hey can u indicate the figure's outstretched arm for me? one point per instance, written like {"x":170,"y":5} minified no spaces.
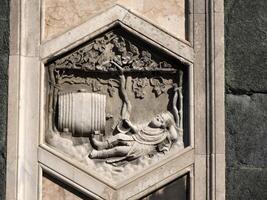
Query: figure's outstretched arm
{"x":132,"y":126}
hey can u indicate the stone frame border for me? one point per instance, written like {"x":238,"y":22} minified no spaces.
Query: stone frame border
{"x":205,"y":31}
{"x":114,"y":16}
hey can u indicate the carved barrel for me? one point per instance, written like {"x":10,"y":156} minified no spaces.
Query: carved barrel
{"x":81,"y":113}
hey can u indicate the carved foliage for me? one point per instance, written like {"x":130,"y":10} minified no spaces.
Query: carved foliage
{"x":112,"y":48}
{"x":159,"y":85}
{"x":93,"y":84}
{"x":138,"y":87}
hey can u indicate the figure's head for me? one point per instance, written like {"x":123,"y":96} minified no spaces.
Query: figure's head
{"x":162,"y":120}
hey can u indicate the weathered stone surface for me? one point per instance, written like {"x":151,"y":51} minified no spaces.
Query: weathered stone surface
{"x":4,"y":49}
{"x":246,"y":105}
{"x":246,"y":130}
{"x":62,"y":15}
{"x":246,"y":45}
{"x":4,"y":9}
{"x":4,"y":34}
{"x":246,"y":184}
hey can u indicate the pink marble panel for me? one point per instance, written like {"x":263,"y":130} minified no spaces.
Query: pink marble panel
{"x":61,"y":15}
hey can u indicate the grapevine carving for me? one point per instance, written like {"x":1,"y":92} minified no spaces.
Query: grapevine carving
{"x":103,"y":52}
{"x":159,"y":85}
{"x":138,"y":87}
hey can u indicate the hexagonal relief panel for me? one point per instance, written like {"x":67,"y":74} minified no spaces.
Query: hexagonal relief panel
{"x":118,"y":104}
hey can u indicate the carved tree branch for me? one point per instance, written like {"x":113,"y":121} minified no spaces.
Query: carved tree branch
{"x":174,"y":106}
{"x":126,"y":105}
{"x":181,"y":99}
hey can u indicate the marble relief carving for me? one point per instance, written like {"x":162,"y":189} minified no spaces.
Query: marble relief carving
{"x":114,"y":102}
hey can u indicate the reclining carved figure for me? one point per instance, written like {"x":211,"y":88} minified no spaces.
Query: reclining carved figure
{"x":159,"y":135}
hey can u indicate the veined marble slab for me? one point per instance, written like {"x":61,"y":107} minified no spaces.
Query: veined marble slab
{"x":61,"y":15}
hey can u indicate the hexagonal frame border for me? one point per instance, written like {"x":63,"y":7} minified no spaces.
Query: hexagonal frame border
{"x":205,"y":31}
{"x":113,"y":17}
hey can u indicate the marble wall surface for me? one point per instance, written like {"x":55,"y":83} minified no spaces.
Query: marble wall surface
{"x":61,"y":15}
{"x":172,"y":191}
{"x":56,"y":190}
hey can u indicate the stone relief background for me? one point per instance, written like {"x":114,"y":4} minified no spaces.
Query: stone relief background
{"x":61,"y":15}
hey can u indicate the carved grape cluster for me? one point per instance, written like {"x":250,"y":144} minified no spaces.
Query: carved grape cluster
{"x":138,"y":87}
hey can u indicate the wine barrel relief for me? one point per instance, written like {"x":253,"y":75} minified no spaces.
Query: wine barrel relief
{"x":81,"y":113}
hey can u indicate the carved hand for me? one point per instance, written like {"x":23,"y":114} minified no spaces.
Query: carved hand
{"x":127,"y":121}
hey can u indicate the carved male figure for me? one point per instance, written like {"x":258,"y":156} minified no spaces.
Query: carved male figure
{"x":160,"y":134}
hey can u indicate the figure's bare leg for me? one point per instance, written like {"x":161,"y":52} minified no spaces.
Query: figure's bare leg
{"x":109,"y":153}
{"x":95,"y":141}
{"x":99,"y":144}
{"x":119,"y":139}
